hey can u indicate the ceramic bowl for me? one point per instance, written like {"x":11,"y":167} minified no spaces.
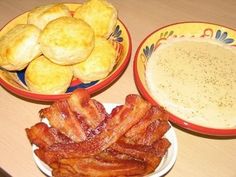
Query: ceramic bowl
{"x":15,"y":82}
{"x":178,"y":30}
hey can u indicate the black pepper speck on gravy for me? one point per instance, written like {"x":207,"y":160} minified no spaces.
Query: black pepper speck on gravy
{"x":195,"y":79}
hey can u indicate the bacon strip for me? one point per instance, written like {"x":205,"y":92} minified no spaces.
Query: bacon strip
{"x":60,"y":116}
{"x":137,"y":133}
{"x":97,"y":167}
{"x":127,"y":116}
{"x":162,"y":146}
{"x":112,"y":155}
{"x":43,"y":136}
{"x":152,"y":155}
{"x":93,"y":111}
{"x":154,"y":132}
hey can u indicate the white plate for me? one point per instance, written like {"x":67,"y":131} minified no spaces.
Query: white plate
{"x":165,"y":165}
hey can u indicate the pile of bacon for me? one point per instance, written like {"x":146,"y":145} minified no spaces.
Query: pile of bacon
{"x":84,"y":140}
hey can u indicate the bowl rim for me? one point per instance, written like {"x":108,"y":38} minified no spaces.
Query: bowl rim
{"x":92,"y":90}
{"x":175,"y":119}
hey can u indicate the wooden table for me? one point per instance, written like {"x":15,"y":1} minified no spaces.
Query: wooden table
{"x":197,"y":155}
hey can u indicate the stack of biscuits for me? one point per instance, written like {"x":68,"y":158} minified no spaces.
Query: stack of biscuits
{"x":55,"y":46}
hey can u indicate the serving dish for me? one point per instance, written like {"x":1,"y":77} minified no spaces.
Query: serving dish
{"x":14,"y":81}
{"x":165,"y":165}
{"x":178,"y":30}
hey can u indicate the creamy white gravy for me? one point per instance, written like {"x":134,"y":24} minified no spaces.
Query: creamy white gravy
{"x":195,"y":79}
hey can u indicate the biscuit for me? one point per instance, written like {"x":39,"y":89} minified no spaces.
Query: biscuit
{"x":99,"y":64}
{"x":67,"y":40}
{"x":46,"y":77}
{"x":19,"y":46}
{"x":100,"y":15}
{"x":40,"y":16}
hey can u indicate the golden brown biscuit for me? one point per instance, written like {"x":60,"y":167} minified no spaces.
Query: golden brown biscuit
{"x":99,"y":64}
{"x":67,"y":40}
{"x":44,"y":76}
{"x":19,"y":46}
{"x":100,"y":15}
{"x":40,"y":16}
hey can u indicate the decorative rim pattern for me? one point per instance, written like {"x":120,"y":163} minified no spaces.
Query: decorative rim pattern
{"x":146,"y":51}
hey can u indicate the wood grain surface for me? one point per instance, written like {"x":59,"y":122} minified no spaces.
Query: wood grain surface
{"x":198,"y":156}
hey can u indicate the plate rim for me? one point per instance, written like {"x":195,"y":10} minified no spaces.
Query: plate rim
{"x":172,"y":137}
{"x":175,"y":119}
{"x":92,"y":90}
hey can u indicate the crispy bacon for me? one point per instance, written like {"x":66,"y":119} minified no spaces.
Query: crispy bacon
{"x":84,"y":140}
{"x":61,"y":117}
{"x":43,"y":136}
{"x":161,"y":146}
{"x":154,"y":132}
{"x":107,"y":163}
{"x":127,"y":116}
{"x":152,"y":155}
{"x":92,"y":110}
{"x":111,"y":155}
{"x":91,"y":167}
{"x":77,"y":116}
{"x":139,"y":132}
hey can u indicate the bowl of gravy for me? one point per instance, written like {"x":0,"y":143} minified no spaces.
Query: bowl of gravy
{"x":189,"y":69}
